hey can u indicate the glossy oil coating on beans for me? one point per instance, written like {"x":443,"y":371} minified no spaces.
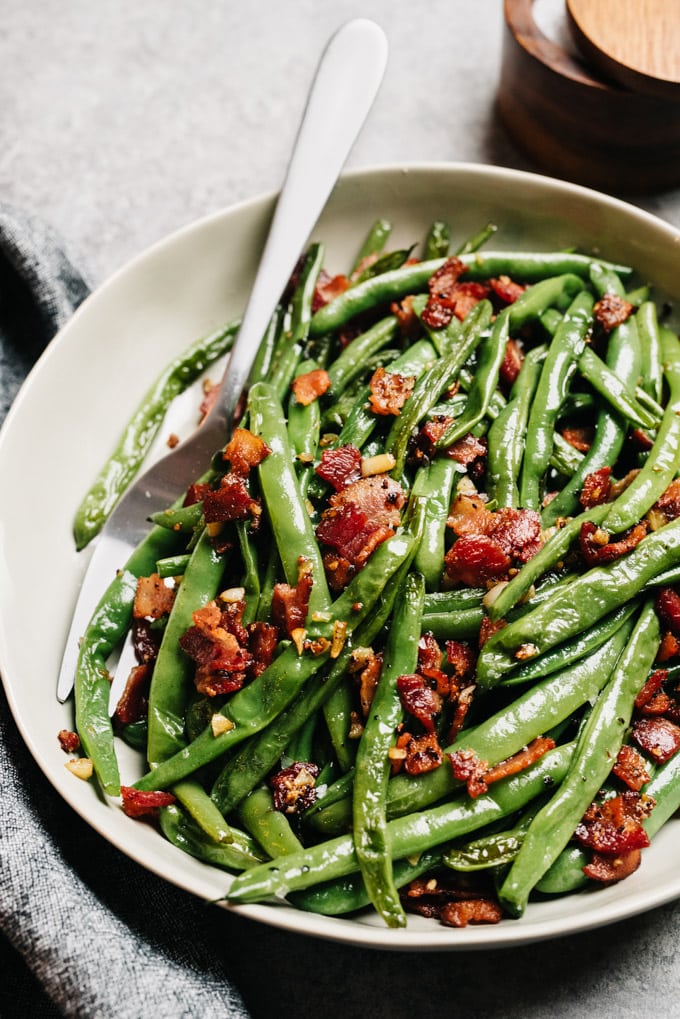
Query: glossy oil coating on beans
{"x":427,"y":621}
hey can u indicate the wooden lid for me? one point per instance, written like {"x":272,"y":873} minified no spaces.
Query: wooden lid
{"x":634,"y":42}
{"x":577,"y":123}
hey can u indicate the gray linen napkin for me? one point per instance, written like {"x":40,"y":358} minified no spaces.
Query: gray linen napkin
{"x":88,"y":932}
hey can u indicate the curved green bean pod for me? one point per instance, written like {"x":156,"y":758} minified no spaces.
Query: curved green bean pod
{"x":612,"y":389}
{"x":289,"y":348}
{"x":556,"y":293}
{"x":269,"y":827}
{"x":372,"y":766}
{"x":650,"y":342}
{"x":240,"y":854}
{"x":351,"y":362}
{"x":374,"y":242}
{"x":141,"y":430}
{"x":435,"y":488}
{"x":598,"y":745}
{"x":437,"y":241}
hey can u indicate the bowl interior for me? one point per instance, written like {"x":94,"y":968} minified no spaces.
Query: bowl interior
{"x":67,"y":418}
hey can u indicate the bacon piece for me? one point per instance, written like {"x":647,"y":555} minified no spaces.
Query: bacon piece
{"x":469,"y":515}
{"x":340,"y":467}
{"x":423,"y":754}
{"x":611,"y":311}
{"x":430,"y":662}
{"x":474,"y":559}
{"x":630,"y":768}
{"x":463,"y":702}
{"x":462,"y":658}
{"x":68,"y":741}
{"x":440,"y":307}
{"x":488,"y":628}
{"x":231,"y":501}
{"x":466,"y":296}
{"x":153,"y":598}
{"x":424,"y":443}
{"x":658,"y":737}
{"x":596,"y":488}
{"x":506,"y":289}
{"x":380,"y":497}
{"x":138,"y":803}
{"x":216,"y":642}
{"x":669,"y":647}
{"x":389,"y":391}
{"x":134,"y":701}
{"x":651,"y":688}
{"x":294,"y":787}
{"x":467,"y":767}
{"x":328,"y":288}
{"x":419,"y":699}
{"x":520,"y":761}
{"x":409,"y":323}
{"x":580,"y":437}
{"x":467,"y":450}
{"x":145,"y":640}
{"x":348,"y":530}
{"x":368,"y":681}
{"x":614,"y":826}
{"x":475,"y":911}
{"x":290,"y":605}
{"x":610,"y":869}
{"x":518,"y":532}
{"x":512,"y":361}
{"x":597,"y":548}
{"x":244,"y":451}
{"x":668,"y":609}
{"x":669,"y":502}
{"x":262,"y":640}
{"x":310,"y":386}
{"x":195,"y":493}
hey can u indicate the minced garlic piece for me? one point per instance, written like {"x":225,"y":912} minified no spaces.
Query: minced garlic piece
{"x":219,"y":724}
{"x":81,"y":767}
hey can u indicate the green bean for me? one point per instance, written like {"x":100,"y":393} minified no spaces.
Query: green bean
{"x":304,"y":421}
{"x":372,"y":769}
{"x":251,"y":578}
{"x":388,"y":262}
{"x":477,"y":240}
{"x":287,"y":353}
{"x":598,"y":745}
{"x":291,"y":525}
{"x":565,"y":874}
{"x":663,"y":461}
{"x":507,"y":433}
{"x":650,"y":341}
{"x":565,"y":458}
{"x":435,"y":487}
{"x":268,"y":826}
{"x":170,"y":681}
{"x":350,"y":362}
{"x":414,"y":278}
{"x":180,"y":519}
{"x":374,"y":242}
{"x":265,"y":352}
{"x":201,"y":808}
{"x":588,"y":598}
{"x":172,"y":566}
{"x":558,"y":368}
{"x":605,"y":281}
{"x":184,"y":834}
{"x":409,"y":835}
{"x":555,"y":292}
{"x":611,"y":388}
{"x":437,"y":242}
{"x":623,"y":358}
{"x":491,"y":354}
{"x":492,"y":850}
{"x":142,"y":428}
{"x":462,"y":624}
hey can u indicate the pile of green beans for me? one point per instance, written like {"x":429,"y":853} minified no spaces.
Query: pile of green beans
{"x":558,"y":649}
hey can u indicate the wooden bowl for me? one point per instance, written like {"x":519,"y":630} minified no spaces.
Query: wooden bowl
{"x":576,"y":124}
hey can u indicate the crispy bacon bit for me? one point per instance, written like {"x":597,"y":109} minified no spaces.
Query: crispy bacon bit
{"x":138,"y":803}
{"x":580,"y":437}
{"x":466,"y":296}
{"x":596,"y":488}
{"x":153,"y":598}
{"x":512,"y":361}
{"x":340,"y":467}
{"x":597,"y":548}
{"x":488,"y":628}
{"x":630,"y":768}
{"x":68,"y":741}
{"x":389,"y":391}
{"x":669,"y":647}
{"x":467,"y":450}
{"x":419,"y":699}
{"x":327,"y":289}
{"x":244,"y":451}
{"x":172,"y":440}
{"x":294,"y":787}
{"x":474,"y":559}
{"x":518,"y":532}
{"x":669,"y":502}
{"x":429,"y":653}
{"x":195,"y":493}
{"x":658,"y":737}
{"x":134,"y":701}
{"x":423,"y":754}
{"x":668,"y":609}
{"x":614,"y":826}
{"x":290,"y":605}
{"x":231,"y":501}
{"x":520,"y":761}
{"x":360,"y":517}
{"x":463,"y":702}
{"x":611,"y":311}
{"x":506,"y":289}
{"x":217,"y":642}
{"x":441,"y":303}
{"x":651,"y":688}
{"x":469,"y":515}
{"x":262,"y":641}
{"x":425,"y":441}
{"x":468,"y":768}
{"x":381,"y":499}
{"x":310,"y":386}
{"x":610,"y":869}
{"x":475,"y":911}
{"x":409,"y":324}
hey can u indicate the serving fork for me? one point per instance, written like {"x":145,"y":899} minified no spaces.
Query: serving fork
{"x":346,"y":83}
